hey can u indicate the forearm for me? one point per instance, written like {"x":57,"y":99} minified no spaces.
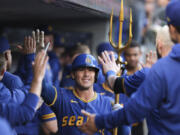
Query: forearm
{"x":36,"y":87}
{"x":51,"y":126}
{"x":18,"y":114}
{"x":29,"y":58}
{"x":110,"y":120}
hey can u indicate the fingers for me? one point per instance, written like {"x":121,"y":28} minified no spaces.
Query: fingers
{"x":34,"y":44}
{"x":37,"y":36}
{"x":85,"y":113}
{"x":154,"y":56}
{"x":112,"y":57}
{"x":29,"y":43}
{"x":42,"y":39}
{"x":31,"y":46}
{"x":106,"y":57}
{"x":101,"y":60}
{"x":33,"y":35}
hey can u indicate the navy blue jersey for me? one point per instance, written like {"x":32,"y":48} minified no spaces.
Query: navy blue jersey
{"x":67,"y":106}
{"x":43,"y":114}
{"x":18,"y":114}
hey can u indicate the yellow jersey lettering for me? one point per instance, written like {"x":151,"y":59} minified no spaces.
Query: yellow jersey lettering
{"x":80,"y":120}
{"x":72,"y":119}
{"x":64,"y":121}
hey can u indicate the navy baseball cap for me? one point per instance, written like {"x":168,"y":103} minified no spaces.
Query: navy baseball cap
{"x":104,"y":47}
{"x":48,"y":29}
{"x":59,"y":40}
{"x":4,"y":44}
{"x":173,"y":12}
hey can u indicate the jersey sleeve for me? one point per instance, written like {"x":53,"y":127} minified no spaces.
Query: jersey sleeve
{"x":46,"y":113}
{"x":18,"y":114}
{"x":148,"y":96}
{"x":130,"y":84}
{"x":49,"y":94}
{"x":12,"y":81}
{"x":28,"y":68}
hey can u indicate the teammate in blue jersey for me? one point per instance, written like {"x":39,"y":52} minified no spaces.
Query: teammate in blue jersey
{"x":67,"y":104}
{"x":8,"y":91}
{"x":160,"y":90}
{"x":10,"y":80}
{"x":32,"y":127}
{"x":16,"y":113}
{"x":43,"y":117}
{"x":132,"y":56}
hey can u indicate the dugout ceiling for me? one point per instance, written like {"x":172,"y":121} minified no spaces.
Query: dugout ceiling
{"x":55,"y":10}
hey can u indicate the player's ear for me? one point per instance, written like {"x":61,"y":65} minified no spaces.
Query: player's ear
{"x":72,"y":75}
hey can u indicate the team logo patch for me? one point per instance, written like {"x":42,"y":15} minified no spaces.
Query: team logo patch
{"x":88,"y":60}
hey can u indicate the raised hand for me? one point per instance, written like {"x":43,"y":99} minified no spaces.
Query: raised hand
{"x":39,"y":38}
{"x":151,"y":58}
{"x":29,"y":46}
{"x":109,"y":63}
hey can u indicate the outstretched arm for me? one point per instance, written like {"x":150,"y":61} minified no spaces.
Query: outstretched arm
{"x":16,"y":113}
{"x":124,"y":84}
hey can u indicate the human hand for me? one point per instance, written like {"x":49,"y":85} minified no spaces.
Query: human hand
{"x":151,"y":58}
{"x":39,"y":38}
{"x":89,"y":126}
{"x":29,"y":46}
{"x":109,"y":64}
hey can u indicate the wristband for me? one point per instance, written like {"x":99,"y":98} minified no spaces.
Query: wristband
{"x":110,"y":73}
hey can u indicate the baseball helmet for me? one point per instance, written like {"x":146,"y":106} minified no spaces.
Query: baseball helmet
{"x":85,"y":60}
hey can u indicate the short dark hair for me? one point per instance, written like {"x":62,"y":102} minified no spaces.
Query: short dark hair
{"x":2,"y":61}
{"x":78,"y":48}
{"x":134,"y":44}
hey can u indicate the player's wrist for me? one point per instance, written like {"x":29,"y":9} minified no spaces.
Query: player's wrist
{"x":110,"y":73}
{"x":37,"y":79}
